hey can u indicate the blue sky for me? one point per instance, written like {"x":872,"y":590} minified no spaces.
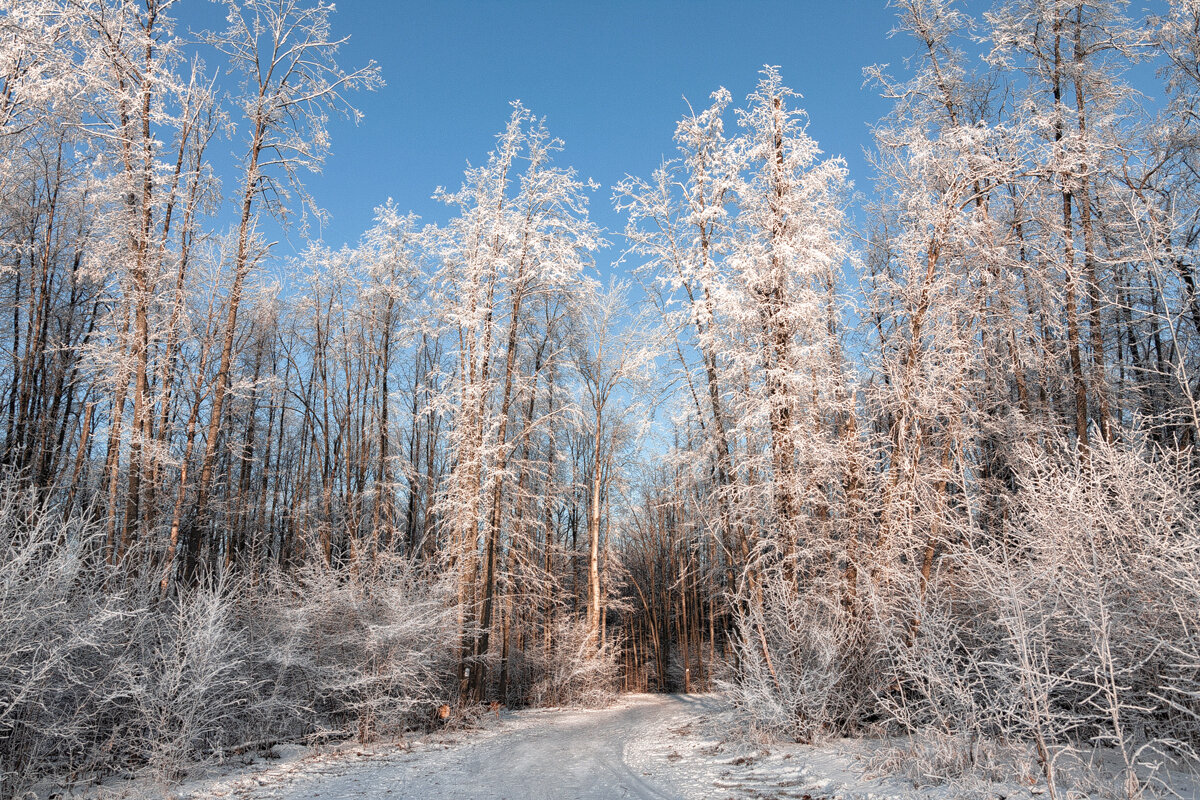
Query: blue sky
{"x":609,"y":77}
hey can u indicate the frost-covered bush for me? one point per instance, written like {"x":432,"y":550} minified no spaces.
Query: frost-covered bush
{"x":372,"y":646}
{"x":187,"y":678}
{"x":63,"y":617}
{"x":939,"y":684}
{"x":576,"y":672}
{"x":793,"y":650}
{"x":1068,"y":630}
{"x":1074,"y":629}
{"x":102,"y":673}
{"x":1095,"y":592}
{"x":97,"y":672}
{"x":932,"y":679}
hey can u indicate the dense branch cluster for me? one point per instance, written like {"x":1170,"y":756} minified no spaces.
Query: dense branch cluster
{"x":923,"y":463}
{"x":950,"y":470}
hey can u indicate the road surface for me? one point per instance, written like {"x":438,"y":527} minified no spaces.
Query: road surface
{"x":614,"y":752}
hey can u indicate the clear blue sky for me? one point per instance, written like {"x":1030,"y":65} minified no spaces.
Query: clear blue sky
{"x":609,"y":77}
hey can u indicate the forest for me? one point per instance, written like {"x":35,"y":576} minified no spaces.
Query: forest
{"x":915,"y":455}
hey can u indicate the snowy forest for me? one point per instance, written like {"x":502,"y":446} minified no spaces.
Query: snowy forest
{"x":903,"y":453}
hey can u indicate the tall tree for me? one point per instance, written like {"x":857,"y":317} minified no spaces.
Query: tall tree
{"x":286,"y":56}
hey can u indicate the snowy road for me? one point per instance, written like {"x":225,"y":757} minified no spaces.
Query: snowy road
{"x":605,"y":753}
{"x":652,"y":747}
{"x":569,"y":754}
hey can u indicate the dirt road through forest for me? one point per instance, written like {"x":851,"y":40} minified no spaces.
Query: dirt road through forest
{"x":604,"y":753}
{"x":649,"y":747}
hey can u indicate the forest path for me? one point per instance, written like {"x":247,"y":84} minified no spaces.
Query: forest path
{"x":615,"y":752}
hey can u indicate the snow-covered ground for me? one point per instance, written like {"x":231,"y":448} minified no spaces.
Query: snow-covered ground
{"x":644,"y":746}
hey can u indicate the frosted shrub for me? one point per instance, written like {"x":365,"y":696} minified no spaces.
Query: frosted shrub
{"x":190,"y":685}
{"x":576,"y":672}
{"x":791,"y":660}
{"x":100,"y":673}
{"x":1097,"y":595}
{"x":939,"y":686}
{"x":60,"y":632}
{"x":1074,"y":629}
{"x":933,"y":679}
{"x":374,"y":645}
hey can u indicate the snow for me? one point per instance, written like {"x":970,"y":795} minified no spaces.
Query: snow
{"x":656,"y":747}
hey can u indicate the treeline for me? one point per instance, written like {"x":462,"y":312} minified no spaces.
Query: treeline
{"x":237,"y":512}
{"x":928,"y":469}
{"x":950,"y":451}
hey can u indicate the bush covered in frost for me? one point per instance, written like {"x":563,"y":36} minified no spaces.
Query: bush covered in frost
{"x":100,"y":673}
{"x":1075,"y":629}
